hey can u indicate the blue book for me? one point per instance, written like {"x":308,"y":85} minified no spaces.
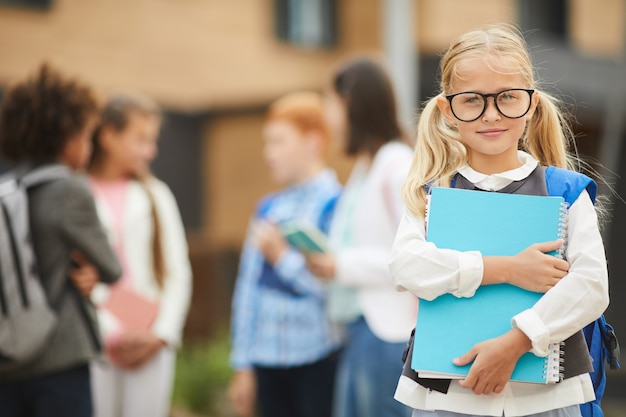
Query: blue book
{"x":495,"y":224}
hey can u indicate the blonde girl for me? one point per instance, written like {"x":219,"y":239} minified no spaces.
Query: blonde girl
{"x":492,"y":129}
{"x":141,"y":317}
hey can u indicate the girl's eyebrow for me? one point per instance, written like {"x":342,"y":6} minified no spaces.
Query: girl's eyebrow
{"x":481,"y":91}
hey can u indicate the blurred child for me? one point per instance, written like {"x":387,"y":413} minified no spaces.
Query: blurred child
{"x":361,"y":110}
{"x":45,"y":121}
{"x":284,"y":348}
{"x":142,"y":317}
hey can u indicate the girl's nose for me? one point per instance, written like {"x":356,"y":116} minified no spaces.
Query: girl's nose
{"x":491,"y":111}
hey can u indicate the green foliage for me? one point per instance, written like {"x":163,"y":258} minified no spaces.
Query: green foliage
{"x":202,"y":376}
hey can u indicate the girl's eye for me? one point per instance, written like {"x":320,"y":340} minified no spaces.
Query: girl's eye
{"x":472,"y":99}
{"x":508,"y":96}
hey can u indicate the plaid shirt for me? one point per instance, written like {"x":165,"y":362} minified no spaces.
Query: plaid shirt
{"x":284,"y":324}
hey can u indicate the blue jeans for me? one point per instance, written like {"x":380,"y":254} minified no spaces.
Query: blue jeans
{"x":367,"y":375}
{"x":571,"y":411}
{"x":61,"y":394}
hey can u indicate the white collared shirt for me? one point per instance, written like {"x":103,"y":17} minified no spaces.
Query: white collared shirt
{"x":578,"y":299}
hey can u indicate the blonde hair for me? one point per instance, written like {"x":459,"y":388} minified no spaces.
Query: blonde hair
{"x":439,"y":151}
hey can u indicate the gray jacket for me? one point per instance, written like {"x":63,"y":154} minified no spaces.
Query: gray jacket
{"x":63,"y":218}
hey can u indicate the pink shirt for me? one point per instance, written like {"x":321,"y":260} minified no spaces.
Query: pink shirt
{"x":113,"y":194}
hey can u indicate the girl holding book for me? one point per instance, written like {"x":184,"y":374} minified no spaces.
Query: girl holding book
{"x":141,"y":317}
{"x":361,"y":109}
{"x":492,"y":129}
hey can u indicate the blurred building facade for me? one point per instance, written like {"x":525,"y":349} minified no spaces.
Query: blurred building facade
{"x":214,"y":65}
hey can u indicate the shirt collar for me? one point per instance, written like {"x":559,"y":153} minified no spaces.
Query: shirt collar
{"x":502,"y":179}
{"x":324,"y":178}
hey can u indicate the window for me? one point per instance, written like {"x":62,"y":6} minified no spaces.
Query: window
{"x":549,"y":18}
{"x":179,"y":163}
{"x":37,"y":4}
{"x":306,"y":23}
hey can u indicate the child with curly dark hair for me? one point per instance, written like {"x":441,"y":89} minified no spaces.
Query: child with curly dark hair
{"x":47,"y":120}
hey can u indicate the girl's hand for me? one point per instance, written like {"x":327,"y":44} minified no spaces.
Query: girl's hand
{"x":537,"y":271}
{"x":242,"y":393}
{"x":532,"y":269}
{"x":83,"y":274}
{"x":494,"y":361}
{"x":134,"y":348}
{"x":321,"y":265}
{"x":270,"y":241}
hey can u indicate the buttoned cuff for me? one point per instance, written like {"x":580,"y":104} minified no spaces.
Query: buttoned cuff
{"x":533,"y":327}
{"x":100,"y":294}
{"x":471,"y":275}
{"x":161,"y":332}
{"x":239,"y":358}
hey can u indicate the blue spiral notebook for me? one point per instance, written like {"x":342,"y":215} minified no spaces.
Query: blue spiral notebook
{"x":495,"y":224}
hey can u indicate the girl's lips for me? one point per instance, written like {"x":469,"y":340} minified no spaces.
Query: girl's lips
{"x":492,"y":132}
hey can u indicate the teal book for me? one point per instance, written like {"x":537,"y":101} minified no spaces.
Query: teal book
{"x":304,"y":237}
{"x":495,"y":224}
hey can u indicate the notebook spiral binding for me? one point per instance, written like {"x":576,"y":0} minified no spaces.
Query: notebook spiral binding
{"x":554,"y":366}
{"x":562,"y":232}
{"x":427,"y":211}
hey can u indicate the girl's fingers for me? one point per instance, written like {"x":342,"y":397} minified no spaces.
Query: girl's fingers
{"x":562,"y":265}
{"x":465,"y":359}
{"x":550,"y":246}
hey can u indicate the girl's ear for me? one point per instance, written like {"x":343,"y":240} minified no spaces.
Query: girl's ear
{"x":106,"y":135}
{"x":444,"y":107}
{"x":534,"y":102}
{"x":314,"y":142}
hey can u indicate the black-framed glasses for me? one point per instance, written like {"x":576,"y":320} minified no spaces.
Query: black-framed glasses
{"x":512,"y":103}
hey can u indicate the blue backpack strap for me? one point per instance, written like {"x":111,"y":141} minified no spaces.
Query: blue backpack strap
{"x":610,"y":343}
{"x":599,"y":335}
{"x":569,"y":184}
{"x":263,"y":207}
{"x":269,"y":277}
{"x":326,"y":215}
{"x":429,"y":186}
{"x":604,"y":349}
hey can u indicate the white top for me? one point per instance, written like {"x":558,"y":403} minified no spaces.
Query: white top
{"x":578,"y":299}
{"x":175,"y":295}
{"x":362,"y":265}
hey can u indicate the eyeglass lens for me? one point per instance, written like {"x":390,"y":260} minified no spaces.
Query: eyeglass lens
{"x":511,"y":103}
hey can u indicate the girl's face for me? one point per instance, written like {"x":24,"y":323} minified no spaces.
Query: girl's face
{"x":336,"y":116}
{"x":287,"y":151}
{"x":492,"y":139}
{"x":132,"y":150}
{"x":78,"y":148}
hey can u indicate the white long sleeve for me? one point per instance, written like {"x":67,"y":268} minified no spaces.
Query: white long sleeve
{"x":578,"y":299}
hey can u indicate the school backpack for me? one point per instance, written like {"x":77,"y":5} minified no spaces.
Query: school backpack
{"x":27,"y":320}
{"x":599,"y":335}
{"x":604,"y":350}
